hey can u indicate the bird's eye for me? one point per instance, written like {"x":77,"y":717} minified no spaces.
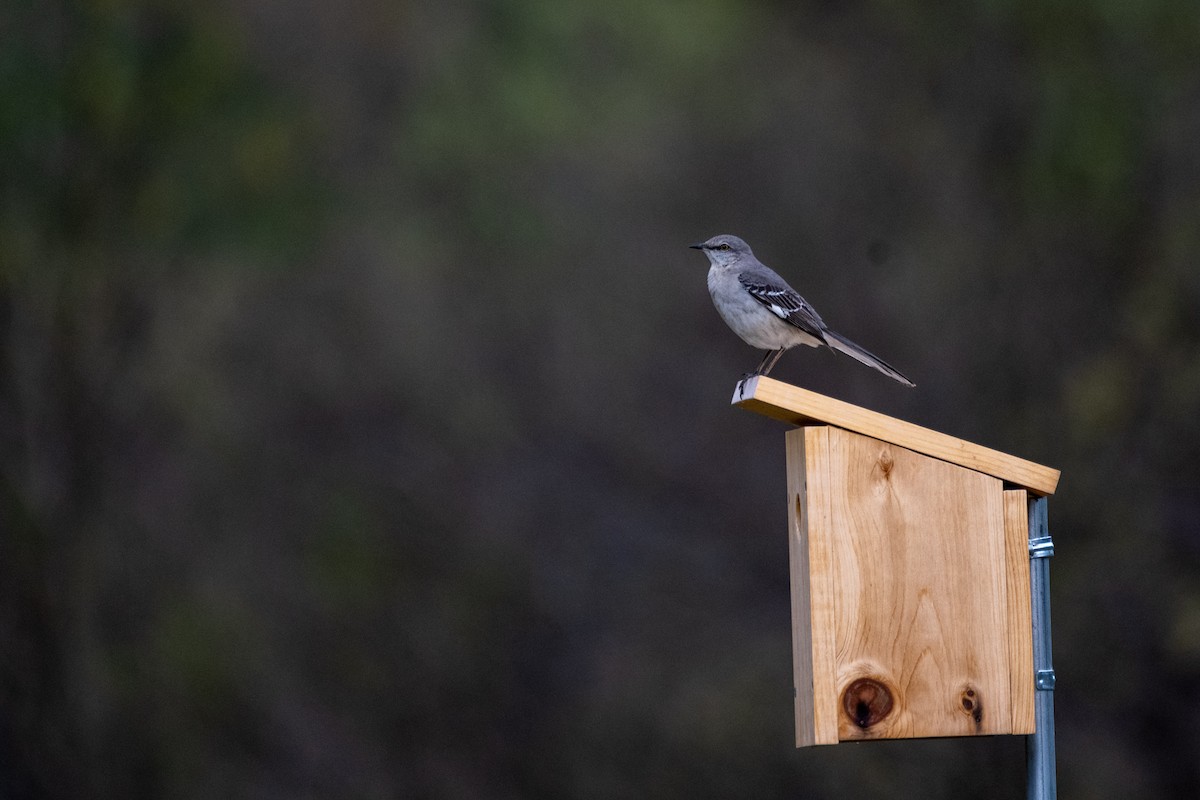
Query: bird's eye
{"x":723,"y":247}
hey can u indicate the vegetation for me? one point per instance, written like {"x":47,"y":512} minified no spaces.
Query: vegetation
{"x":363,"y":414}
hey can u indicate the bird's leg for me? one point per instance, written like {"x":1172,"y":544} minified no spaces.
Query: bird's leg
{"x":763,"y":368}
{"x":769,"y":361}
{"x":759,"y":370}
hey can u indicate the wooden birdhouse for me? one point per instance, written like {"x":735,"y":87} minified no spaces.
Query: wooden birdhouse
{"x":910,"y":574}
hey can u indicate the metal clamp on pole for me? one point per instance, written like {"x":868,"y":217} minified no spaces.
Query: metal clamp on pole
{"x":1041,"y":547}
{"x":1039,"y":747}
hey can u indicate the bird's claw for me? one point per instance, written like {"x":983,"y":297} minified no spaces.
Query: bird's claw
{"x":742,"y":383}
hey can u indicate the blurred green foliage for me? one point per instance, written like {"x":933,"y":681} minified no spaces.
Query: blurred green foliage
{"x":363,"y":424}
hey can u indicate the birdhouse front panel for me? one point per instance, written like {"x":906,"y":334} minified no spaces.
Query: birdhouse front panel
{"x":910,"y":593}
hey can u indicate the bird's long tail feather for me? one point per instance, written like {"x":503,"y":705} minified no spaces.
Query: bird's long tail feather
{"x":844,"y":345}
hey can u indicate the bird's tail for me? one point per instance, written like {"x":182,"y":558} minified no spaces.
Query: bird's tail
{"x":842,"y":344}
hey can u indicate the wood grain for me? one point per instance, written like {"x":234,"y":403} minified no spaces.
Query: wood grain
{"x":1020,"y":614}
{"x":798,"y":406}
{"x":907,"y":574}
{"x":812,"y":595}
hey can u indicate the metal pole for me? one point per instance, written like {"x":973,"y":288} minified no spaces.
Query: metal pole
{"x":1039,"y":746}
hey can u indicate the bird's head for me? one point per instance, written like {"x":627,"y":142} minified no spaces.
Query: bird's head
{"x":723,"y":249}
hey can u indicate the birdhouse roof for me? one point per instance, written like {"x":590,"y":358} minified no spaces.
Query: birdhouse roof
{"x":798,"y":406}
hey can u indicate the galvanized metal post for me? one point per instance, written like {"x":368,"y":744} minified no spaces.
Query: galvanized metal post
{"x":1039,"y":747}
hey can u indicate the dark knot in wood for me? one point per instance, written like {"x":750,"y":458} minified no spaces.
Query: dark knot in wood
{"x":886,"y":462}
{"x":972,"y":706}
{"x":867,"y":702}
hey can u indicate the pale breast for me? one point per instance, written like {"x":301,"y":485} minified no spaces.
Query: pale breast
{"x":749,"y":318}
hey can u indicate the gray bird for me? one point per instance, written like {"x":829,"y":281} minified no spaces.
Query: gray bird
{"x":767,"y":313}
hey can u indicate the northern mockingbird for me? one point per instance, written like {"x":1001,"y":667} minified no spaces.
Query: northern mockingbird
{"x":766,"y":312}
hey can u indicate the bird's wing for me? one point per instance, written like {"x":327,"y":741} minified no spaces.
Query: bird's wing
{"x":785,"y":303}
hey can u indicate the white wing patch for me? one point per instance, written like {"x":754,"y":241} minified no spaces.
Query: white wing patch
{"x":784,"y":302}
{"x":777,"y":300}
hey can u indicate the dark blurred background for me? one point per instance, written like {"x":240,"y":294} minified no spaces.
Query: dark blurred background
{"x":364,"y":418}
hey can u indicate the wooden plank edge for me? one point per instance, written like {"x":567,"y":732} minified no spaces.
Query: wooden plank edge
{"x":801,"y":590}
{"x":1019,"y":611}
{"x":818,"y":532}
{"x":797,"y":406}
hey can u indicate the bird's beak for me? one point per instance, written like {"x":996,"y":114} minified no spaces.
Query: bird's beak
{"x":697,"y":246}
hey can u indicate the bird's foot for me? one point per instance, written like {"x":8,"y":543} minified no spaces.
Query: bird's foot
{"x":742,"y":383}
